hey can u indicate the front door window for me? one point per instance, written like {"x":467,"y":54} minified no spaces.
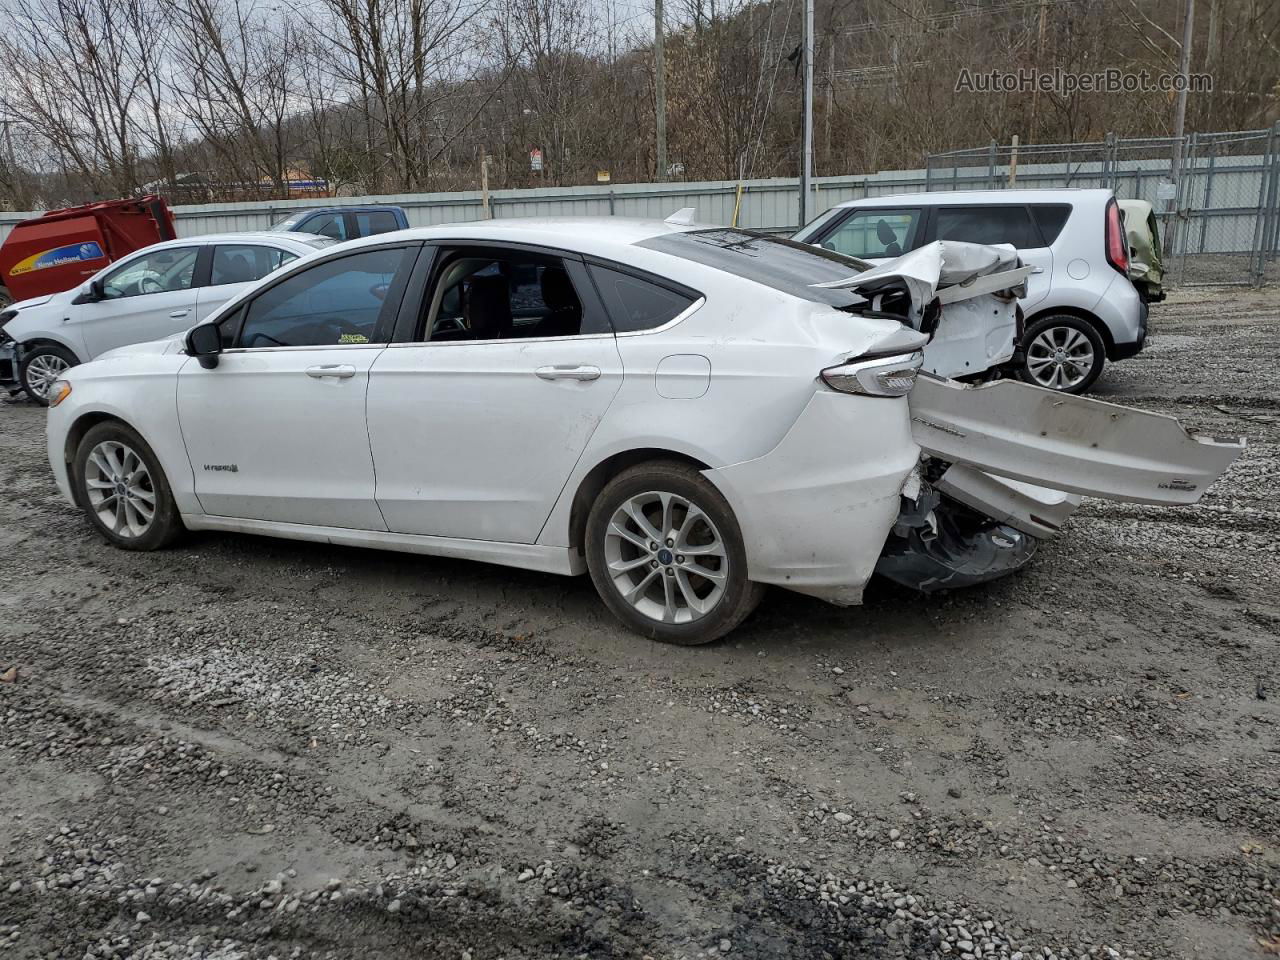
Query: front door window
{"x":162,"y":271}
{"x":875,"y":234}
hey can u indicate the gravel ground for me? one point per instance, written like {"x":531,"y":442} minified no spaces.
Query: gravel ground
{"x":247,"y":748}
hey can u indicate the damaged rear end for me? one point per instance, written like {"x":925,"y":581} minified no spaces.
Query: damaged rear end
{"x":1005,"y":464}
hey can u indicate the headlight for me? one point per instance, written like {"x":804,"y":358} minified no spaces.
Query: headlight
{"x":58,"y":392}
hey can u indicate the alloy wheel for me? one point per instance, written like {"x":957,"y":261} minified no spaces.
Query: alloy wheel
{"x":43,"y":371}
{"x":119,"y":489}
{"x":666,"y":558}
{"x":1060,"y":358}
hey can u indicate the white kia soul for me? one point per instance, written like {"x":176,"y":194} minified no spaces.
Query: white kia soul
{"x":688,"y":414}
{"x":1081,"y":307}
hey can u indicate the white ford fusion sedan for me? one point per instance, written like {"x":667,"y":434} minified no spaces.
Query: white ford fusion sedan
{"x":688,"y":414}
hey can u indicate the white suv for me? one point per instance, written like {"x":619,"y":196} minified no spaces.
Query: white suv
{"x":1081,"y":308}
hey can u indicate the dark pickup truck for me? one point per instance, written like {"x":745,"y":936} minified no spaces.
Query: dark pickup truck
{"x":345,"y":223}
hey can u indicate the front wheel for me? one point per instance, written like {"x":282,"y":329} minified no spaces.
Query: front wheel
{"x":118,"y":482}
{"x":40,"y":368}
{"x":1062,"y":353}
{"x":666,"y":555}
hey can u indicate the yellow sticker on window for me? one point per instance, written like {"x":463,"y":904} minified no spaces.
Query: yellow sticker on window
{"x":353,"y":338}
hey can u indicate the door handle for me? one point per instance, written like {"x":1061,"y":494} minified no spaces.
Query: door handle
{"x":339,"y":371}
{"x":568,"y":372}
{"x":179,"y":314}
{"x":1037,"y":269}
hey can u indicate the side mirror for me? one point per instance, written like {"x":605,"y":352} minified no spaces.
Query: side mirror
{"x":92,"y":294}
{"x":204,"y":342}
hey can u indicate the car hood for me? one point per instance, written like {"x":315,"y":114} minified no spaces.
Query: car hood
{"x":39,"y":301}
{"x":152,"y":348}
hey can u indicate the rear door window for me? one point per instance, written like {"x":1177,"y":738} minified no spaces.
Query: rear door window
{"x":495,"y":293}
{"x":369,"y":222}
{"x":988,"y":224}
{"x":243,"y":263}
{"x":875,"y":234}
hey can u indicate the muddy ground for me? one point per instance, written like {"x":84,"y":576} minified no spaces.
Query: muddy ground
{"x":247,"y":748}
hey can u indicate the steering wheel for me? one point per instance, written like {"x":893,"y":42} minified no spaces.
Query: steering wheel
{"x":448,"y":324}
{"x":155,"y":286}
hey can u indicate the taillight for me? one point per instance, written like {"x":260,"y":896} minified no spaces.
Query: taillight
{"x":879,"y":377}
{"x":1117,"y":245}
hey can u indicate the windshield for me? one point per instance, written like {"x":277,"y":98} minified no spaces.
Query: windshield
{"x":776,"y":262}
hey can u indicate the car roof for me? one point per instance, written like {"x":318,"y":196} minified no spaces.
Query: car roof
{"x":243,"y":237}
{"x":248,"y":236}
{"x":343,"y":207}
{"x":606,"y":236}
{"x":946,"y":197}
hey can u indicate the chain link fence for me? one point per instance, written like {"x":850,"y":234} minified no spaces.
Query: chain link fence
{"x":1218,"y":212}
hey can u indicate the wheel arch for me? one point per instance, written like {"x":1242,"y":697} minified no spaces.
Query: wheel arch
{"x":44,"y":340}
{"x":598,"y":476}
{"x":1108,"y":342}
{"x":85,"y":422}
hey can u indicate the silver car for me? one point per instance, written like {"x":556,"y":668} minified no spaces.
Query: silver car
{"x":1081,"y":309}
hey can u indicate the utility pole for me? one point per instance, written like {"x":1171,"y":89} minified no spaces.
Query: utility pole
{"x":1179,"y":127}
{"x":1035,"y":92}
{"x":660,"y":89}
{"x":1180,"y":108}
{"x":806,"y":166}
{"x":831,"y":93}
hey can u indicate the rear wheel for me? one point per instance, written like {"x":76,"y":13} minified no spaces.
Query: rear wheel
{"x":1062,"y":353}
{"x":41,"y":367}
{"x":666,"y":555}
{"x":118,"y":482}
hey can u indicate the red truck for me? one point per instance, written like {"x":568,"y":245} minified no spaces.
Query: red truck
{"x":55,"y":251}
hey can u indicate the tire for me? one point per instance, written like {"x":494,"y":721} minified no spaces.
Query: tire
{"x":40,"y":367}
{"x":672,"y":603}
{"x":112,"y":450}
{"x":1062,"y":353}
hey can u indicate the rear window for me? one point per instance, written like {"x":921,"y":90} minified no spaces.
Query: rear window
{"x":782,"y":264}
{"x":1051,"y":218}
